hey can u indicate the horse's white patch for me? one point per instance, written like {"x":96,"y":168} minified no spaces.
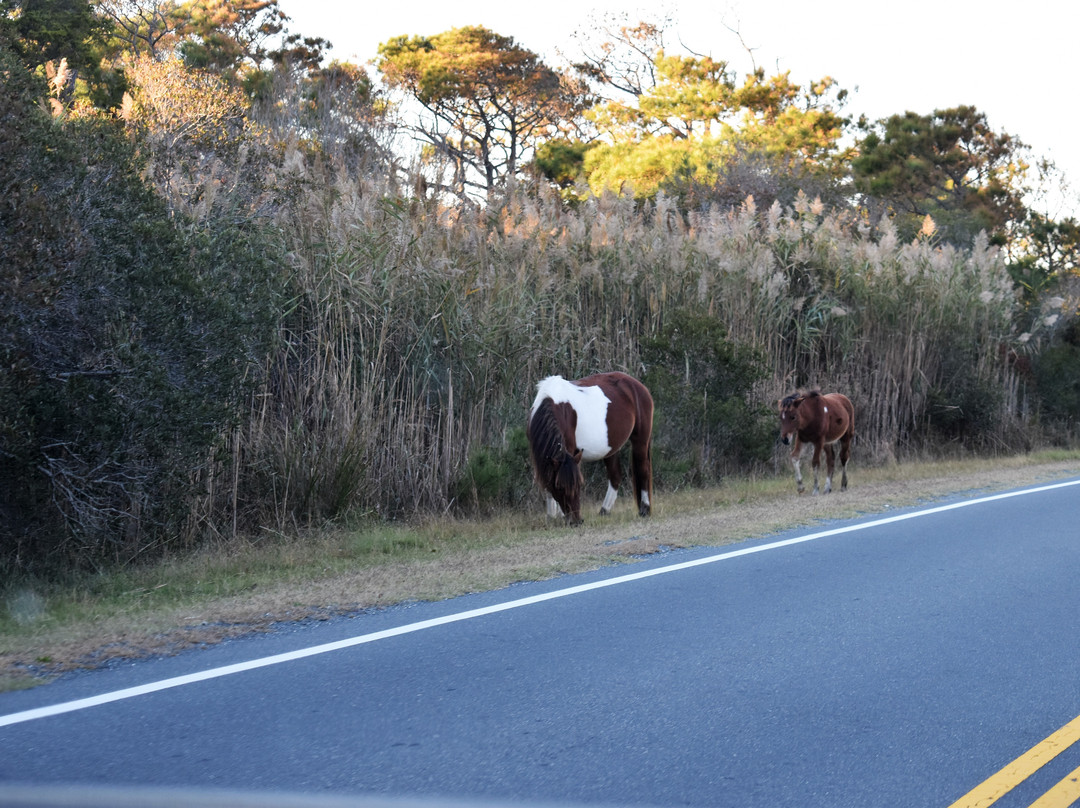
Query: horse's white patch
{"x":826,"y":409}
{"x":591,"y":406}
{"x":645,"y":498}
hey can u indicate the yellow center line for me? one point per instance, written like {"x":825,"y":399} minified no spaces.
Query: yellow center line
{"x":1063,"y":794}
{"x":992,"y":789}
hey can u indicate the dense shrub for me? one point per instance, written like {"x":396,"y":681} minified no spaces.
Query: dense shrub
{"x":124,"y":342}
{"x":1057,"y":374}
{"x":706,"y":420}
{"x":964,"y":409}
{"x":496,"y":476}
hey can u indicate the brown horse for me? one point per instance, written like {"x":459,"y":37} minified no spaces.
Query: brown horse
{"x":590,"y":419}
{"x":821,"y":420}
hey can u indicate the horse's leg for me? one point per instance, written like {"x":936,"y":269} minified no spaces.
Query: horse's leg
{"x":614,"y":476}
{"x":641,"y":460}
{"x":816,"y":464}
{"x":795,"y":462}
{"x":553,"y":509}
{"x":845,"y":453}
{"x":830,"y":465}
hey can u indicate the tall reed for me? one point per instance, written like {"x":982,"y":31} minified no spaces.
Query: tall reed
{"x":418,"y":332}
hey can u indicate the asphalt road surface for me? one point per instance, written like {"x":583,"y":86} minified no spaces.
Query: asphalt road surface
{"x":903,"y":659}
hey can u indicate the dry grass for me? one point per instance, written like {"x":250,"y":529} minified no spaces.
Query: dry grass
{"x":336,"y":573}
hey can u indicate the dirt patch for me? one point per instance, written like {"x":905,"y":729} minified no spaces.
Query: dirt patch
{"x":705,"y":518}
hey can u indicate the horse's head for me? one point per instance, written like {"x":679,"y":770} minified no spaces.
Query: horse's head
{"x":556,"y":456}
{"x":565,"y":484}
{"x":789,"y":416}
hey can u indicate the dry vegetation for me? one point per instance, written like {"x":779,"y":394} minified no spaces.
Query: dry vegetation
{"x":419,"y":333}
{"x":332,"y":575}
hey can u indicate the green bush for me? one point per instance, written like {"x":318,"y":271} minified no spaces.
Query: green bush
{"x":964,"y":410}
{"x":706,"y":422}
{"x":495,"y":476}
{"x":1057,"y":378}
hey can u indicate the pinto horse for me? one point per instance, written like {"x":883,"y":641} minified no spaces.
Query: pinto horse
{"x":590,"y":419}
{"x":821,"y":420}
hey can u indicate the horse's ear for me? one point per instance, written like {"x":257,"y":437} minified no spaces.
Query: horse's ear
{"x":577,"y":456}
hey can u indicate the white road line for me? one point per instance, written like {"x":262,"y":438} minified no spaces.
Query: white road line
{"x":227,"y":670}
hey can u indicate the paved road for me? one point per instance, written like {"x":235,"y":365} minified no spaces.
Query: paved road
{"x":881,"y":662}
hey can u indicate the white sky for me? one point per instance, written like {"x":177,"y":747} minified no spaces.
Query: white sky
{"x":1016,"y":62}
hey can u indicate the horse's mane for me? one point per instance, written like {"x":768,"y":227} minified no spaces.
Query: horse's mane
{"x":546,"y":443}
{"x":798,"y":395}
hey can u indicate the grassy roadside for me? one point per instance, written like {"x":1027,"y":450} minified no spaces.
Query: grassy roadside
{"x":228,"y":591}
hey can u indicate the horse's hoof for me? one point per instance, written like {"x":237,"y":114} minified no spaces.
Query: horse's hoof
{"x":604,"y":511}
{"x":644,"y":510}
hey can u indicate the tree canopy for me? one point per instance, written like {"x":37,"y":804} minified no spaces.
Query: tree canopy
{"x":949,"y":165}
{"x":488,"y":100}
{"x":698,"y":117}
{"x":66,"y":41}
{"x":50,"y":30}
{"x":143,"y":27}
